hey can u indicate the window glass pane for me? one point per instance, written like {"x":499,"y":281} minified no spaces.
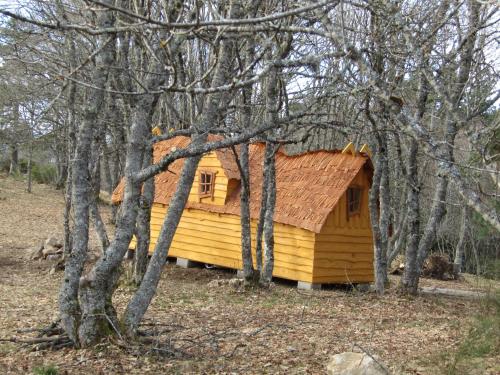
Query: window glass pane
{"x":353,"y":200}
{"x":206,"y":179}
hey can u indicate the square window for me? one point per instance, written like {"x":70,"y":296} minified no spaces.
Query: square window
{"x":206,"y":188}
{"x":353,"y":201}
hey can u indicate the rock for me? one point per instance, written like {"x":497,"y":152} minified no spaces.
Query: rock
{"x":235,"y":283}
{"x":215,"y":283}
{"x":50,"y":250}
{"x":57,"y":266}
{"x":35,"y":253}
{"x":397,"y":265}
{"x":363,"y":287}
{"x":399,"y":270}
{"x":52,"y":242}
{"x":350,"y":363}
{"x":53,"y":256}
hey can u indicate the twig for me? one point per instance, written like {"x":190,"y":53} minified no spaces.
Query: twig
{"x":234,"y":350}
{"x":372,"y":357}
{"x":257,"y":331}
{"x":28,"y":330}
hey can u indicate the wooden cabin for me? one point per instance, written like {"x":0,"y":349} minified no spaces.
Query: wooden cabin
{"x":322,"y":227}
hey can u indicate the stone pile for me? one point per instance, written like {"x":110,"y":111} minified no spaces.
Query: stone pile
{"x":234,"y":283}
{"x":51,"y":249}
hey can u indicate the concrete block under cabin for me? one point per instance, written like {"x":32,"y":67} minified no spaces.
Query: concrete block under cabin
{"x":186,"y":263}
{"x":308,"y":286}
{"x":240,"y":274}
{"x":322,"y":227}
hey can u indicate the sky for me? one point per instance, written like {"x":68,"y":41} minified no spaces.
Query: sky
{"x":8,"y":4}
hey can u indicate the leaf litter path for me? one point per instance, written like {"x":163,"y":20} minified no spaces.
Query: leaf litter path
{"x":212,"y":330}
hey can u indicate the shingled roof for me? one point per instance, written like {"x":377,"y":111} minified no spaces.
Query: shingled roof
{"x":308,"y":186}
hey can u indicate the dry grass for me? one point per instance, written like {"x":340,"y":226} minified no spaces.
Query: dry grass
{"x":219,"y":330}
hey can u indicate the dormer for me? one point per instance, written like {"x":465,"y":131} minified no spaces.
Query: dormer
{"x":216,"y":178}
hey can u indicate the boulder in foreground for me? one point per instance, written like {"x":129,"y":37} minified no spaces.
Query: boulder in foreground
{"x":350,"y":363}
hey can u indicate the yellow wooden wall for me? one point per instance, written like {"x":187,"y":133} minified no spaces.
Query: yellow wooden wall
{"x":344,"y":247}
{"x":216,"y":239}
{"x":210,"y":163}
{"x":341,"y":253}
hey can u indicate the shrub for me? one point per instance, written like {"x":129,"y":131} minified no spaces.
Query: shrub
{"x":438,"y":267}
{"x":45,"y":370}
{"x":482,"y":340}
{"x":44,"y":173}
{"x":23,"y":166}
{"x":492,"y":269}
{"x":4,"y":165}
{"x":40,"y":173}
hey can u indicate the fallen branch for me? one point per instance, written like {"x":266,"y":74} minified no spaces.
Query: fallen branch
{"x":452,"y":292}
{"x":56,"y":345}
{"x":53,"y":329}
{"x":35,"y":340}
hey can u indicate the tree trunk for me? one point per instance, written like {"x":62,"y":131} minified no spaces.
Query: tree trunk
{"x":460,"y":249}
{"x":30,"y":166}
{"x":14,"y":147}
{"x":381,"y":259}
{"x":108,"y":180}
{"x":375,"y":224}
{"x":379,"y":202}
{"x":380,"y":199}
{"x":260,"y":227}
{"x":249,"y":273}
{"x":95,"y":168}
{"x":115,"y":179}
{"x":70,"y":143}
{"x":69,"y":307}
{"x":62,"y":175}
{"x":99,"y":225}
{"x":447,"y":158}
{"x":411,"y":276}
{"x":246,"y":232}
{"x":143,"y":227}
{"x":268,"y":200}
{"x":380,"y":218}
{"x":268,"y":226}
{"x":117,"y":150}
{"x":142,"y":298}
{"x":98,"y":315}
{"x":436,"y":217}
{"x":409,"y":281}
{"x":14,"y":159}
{"x":139,"y":303}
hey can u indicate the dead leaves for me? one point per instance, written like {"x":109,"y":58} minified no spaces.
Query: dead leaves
{"x":193,"y":328}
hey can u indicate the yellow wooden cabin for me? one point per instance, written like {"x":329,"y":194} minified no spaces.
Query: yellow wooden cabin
{"x":322,"y":227}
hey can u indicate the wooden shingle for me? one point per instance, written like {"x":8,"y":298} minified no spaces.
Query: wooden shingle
{"x":308,"y":185}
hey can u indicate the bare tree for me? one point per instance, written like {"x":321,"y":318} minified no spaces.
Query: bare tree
{"x":403,"y":76}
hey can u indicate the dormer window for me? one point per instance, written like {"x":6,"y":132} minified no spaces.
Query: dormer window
{"x":353,"y":201}
{"x":206,"y":186}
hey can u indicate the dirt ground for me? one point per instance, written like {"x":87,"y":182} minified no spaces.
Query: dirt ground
{"x":225,"y":330}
